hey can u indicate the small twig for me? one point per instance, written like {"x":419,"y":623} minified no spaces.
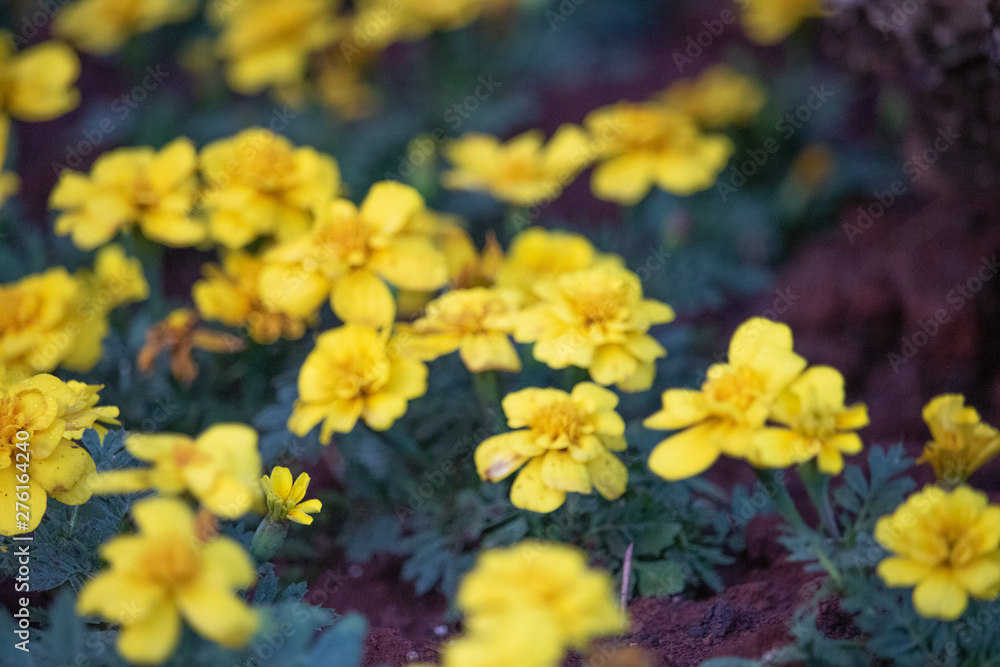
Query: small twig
{"x":626,"y":574}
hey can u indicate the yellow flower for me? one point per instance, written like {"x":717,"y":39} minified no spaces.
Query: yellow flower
{"x":348,"y":255}
{"x":284,"y":499}
{"x":151,"y":189}
{"x":37,"y":83}
{"x":467,"y":266}
{"x":642,"y":145}
{"x":537,"y":255}
{"x":771,"y":21}
{"x":166,"y":572}
{"x":819,"y":425}
{"x":341,"y":88}
{"x":528,"y":604}
{"x":524,"y":171}
{"x":258,"y":184}
{"x":945,"y":545}
{"x":102,"y":26}
{"x":179,"y":334}
{"x":566,"y":440}
{"x":476,"y":322}
{"x":221,"y":468}
{"x":734,"y":402}
{"x":231,"y":294}
{"x":40,"y":417}
{"x":268,"y":42}
{"x":596,"y":319}
{"x":354,"y":372}
{"x":961,"y":443}
{"x":388,"y":21}
{"x":719,"y":97}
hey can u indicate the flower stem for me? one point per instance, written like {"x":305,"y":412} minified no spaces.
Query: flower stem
{"x":487,"y":386}
{"x":818,"y":486}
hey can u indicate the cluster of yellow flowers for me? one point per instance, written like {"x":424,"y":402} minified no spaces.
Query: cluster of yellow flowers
{"x":103,"y":26}
{"x":667,"y":142}
{"x":528,"y":604}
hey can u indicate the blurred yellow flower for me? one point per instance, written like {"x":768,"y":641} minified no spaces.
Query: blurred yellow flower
{"x":285,"y":499}
{"x":524,"y":171}
{"x":40,"y":418}
{"x":349,"y":256}
{"x":467,"y":266}
{"x":37,"y":83}
{"x":566,"y":439}
{"x":382,"y":22}
{"x":961,"y":443}
{"x":537,"y":255}
{"x":231,"y":294}
{"x":268,"y":42}
{"x":641,"y":145}
{"x":596,"y":319}
{"x":179,"y":334}
{"x":474,"y":321}
{"x":355,"y":372}
{"x":733,"y":404}
{"x":771,"y":21}
{"x":151,"y":189}
{"x":167,"y":572}
{"x":102,"y":26}
{"x":221,"y":468}
{"x":944,"y":544}
{"x":342,"y":88}
{"x":719,"y":97}
{"x":818,"y":423}
{"x":259,"y":184}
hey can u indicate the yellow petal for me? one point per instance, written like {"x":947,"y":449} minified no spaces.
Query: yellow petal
{"x":624,"y":180}
{"x":152,"y":639}
{"x":687,"y":453}
{"x":382,"y":409}
{"x":489,"y":351}
{"x":281,"y":481}
{"x":389,"y":205}
{"x":681,"y":408}
{"x":298,"y":516}
{"x":779,"y":448}
{"x":163,"y":517}
{"x":298,"y":490}
{"x":560,"y":471}
{"x":412,"y":263}
{"x":902,"y":572}
{"x":500,"y":455}
{"x":218,"y":615}
{"x":981,"y":577}
{"x":292,"y":289}
{"x":608,"y":475}
{"x":36,"y":503}
{"x":612,"y":363}
{"x":154,"y":447}
{"x":225,"y":563}
{"x":939,"y":595}
{"x":61,"y":470}
{"x":830,"y":461}
{"x":594,"y":398}
{"x":360,"y":297}
{"x":529,"y":492}
{"x":128,"y":480}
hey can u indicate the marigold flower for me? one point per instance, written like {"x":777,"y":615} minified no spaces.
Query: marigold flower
{"x":945,"y":545}
{"x":221,"y":468}
{"x":719,"y":97}
{"x":961,"y":443}
{"x":596,"y":319}
{"x":411,"y":20}
{"x":524,"y":171}
{"x":476,"y":322}
{"x":642,"y":145}
{"x":819,"y":425}
{"x":102,"y":26}
{"x":771,"y":21}
{"x":153,"y":190}
{"x":341,"y":87}
{"x":37,"y":83}
{"x":537,"y":255}
{"x":231,"y":294}
{"x":52,"y":414}
{"x":355,"y":372}
{"x":734,"y":402}
{"x":467,"y":266}
{"x":179,"y":334}
{"x":259,"y":184}
{"x":167,"y":572}
{"x":349,"y":253}
{"x":566,"y":439}
{"x":285,"y":499}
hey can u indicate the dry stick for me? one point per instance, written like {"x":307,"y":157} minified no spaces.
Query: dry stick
{"x":626,"y":574}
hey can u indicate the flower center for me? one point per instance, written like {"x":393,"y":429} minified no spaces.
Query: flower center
{"x":559,"y":419}
{"x":21,"y":308}
{"x":171,"y":563}
{"x":144,"y":195}
{"x":737,"y":386}
{"x":347,"y":238}
{"x":362,"y":373}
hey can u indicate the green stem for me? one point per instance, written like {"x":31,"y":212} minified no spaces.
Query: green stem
{"x":150,"y":254}
{"x":574,"y":375}
{"x":487,"y":385}
{"x":818,"y":486}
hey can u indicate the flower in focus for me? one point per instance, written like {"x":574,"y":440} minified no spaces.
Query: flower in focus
{"x":818,"y":423}
{"x":733,"y":404}
{"x":961,"y":443}
{"x":221,"y":468}
{"x":596,"y":319}
{"x":37,"y":83}
{"x":44,"y":461}
{"x":285,"y":499}
{"x":566,"y":441}
{"x":524,"y":171}
{"x":537,"y":255}
{"x":349,"y":256}
{"x":771,"y":21}
{"x":179,"y":334}
{"x":719,"y":97}
{"x":258,"y":184}
{"x":231,"y":294}
{"x":355,"y":372}
{"x":642,"y":145}
{"x":944,"y":544}
{"x":102,"y":26}
{"x":153,"y":190}
{"x":165,"y":573}
{"x":474,"y":321}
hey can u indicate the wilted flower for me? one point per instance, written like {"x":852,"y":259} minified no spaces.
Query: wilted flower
{"x":179,"y":334}
{"x":771,"y":21}
{"x":167,"y":572}
{"x":945,"y":545}
{"x":719,"y":97}
{"x":102,"y":26}
{"x":961,"y":443}
{"x":733,"y":404}
{"x":566,"y":441}
{"x":37,"y":83}
{"x":285,"y":500}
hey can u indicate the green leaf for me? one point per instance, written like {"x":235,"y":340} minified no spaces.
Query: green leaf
{"x":342,"y":645}
{"x":655,"y":539}
{"x":659,"y":578}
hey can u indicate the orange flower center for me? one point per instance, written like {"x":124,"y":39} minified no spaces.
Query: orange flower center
{"x":561,"y":418}
{"x":362,"y":372}
{"x":171,"y":562}
{"x":737,"y":386}
{"x":348,"y":239}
